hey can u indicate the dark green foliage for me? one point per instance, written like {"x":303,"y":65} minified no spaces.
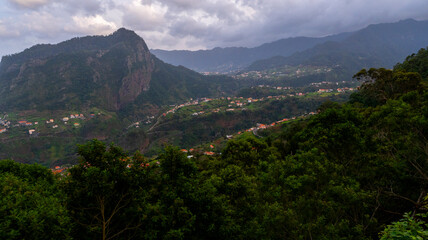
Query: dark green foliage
{"x":186,"y":131}
{"x":381,"y":84}
{"x":415,"y":63}
{"x":31,"y":204}
{"x":103,"y":192}
{"x":407,"y":228}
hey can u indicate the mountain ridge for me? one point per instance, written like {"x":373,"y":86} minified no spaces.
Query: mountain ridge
{"x":378,"y":45}
{"x":111,"y":72}
{"x":230,"y":59}
{"x":370,"y":44}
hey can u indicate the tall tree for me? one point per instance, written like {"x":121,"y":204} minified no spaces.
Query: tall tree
{"x":103,"y":192}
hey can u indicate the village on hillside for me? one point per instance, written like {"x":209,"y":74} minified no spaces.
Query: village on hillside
{"x":193,"y":108}
{"x":229,"y":104}
{"x":33,"y":128}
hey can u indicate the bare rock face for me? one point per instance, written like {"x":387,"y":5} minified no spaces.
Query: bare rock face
{"x":19,"y":78}
{"x":140,"y":68}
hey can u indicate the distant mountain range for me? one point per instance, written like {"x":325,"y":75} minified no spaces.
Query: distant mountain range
{"x":112,"y":72}
{"x":378,"y":45}
{"x":232,"y":59}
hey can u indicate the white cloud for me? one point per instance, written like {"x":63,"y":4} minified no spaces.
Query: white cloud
{"x":144,"y":17}
{"x":7,"y":33}
{"x":94,"y":25}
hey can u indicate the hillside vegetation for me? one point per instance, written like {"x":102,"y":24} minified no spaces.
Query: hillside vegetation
{"x":345,"y":173}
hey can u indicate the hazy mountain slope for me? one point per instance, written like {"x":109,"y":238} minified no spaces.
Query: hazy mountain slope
{"x":236,"y":58}
{"x":378,"y":45}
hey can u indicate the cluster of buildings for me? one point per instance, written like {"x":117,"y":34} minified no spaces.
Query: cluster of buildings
{"x":190,"y":103}
{"x":273,"y":87}
{"x":341,"y":90}
{"x":317,"y":84}
{"x":26,"y":123}
{"x":5,"y":124}
{"x":324,"y":90}
{"x":190,"y":151}
{"x":74,"y":116}
{"x":233,"y":102}
{"x":345,"y":89}
{"x":249,"y":74}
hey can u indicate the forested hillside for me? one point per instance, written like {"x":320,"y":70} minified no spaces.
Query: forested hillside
{"x":352,"y":171}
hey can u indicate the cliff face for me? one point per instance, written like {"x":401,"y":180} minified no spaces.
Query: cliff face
{"x":138,"y":78}
{"x":107,"y":71}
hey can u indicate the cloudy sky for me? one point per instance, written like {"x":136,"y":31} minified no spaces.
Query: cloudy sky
{"x":193,"y":24}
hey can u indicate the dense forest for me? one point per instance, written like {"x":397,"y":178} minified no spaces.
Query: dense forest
{"x":357,"y":170}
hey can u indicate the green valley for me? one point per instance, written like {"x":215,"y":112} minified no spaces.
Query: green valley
{"x":351,"y":169}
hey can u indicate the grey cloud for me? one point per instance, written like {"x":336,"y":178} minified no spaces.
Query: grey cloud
{"x":29,"y":4}
{"x":87,"y":7}
{"x":190,"y":27}
{"x":250,"y":23}
{"x":8,"y":34}
{"x":142,"y":18}
{"x":196,"y":24}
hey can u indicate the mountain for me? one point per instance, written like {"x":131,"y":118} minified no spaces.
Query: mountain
{"x":112,"y":83}
{"x":109,"y":72}
{"x":378,"y":45}
{"x":231,"y":59}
